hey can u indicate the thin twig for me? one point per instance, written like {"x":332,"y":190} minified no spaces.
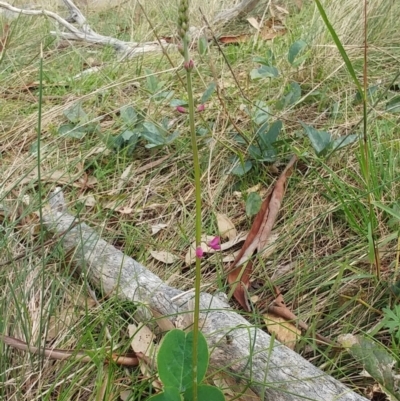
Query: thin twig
{"x":61,"y":355}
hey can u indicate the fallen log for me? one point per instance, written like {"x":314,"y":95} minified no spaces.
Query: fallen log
{"x":275,"y":372}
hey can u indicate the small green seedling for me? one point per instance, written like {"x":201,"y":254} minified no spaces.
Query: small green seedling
{"x":78,"y":125}
{"x":263,"y":149}
{"x":135,"y":127}
{"x":132,"y":124}
{"x":267,"y":69}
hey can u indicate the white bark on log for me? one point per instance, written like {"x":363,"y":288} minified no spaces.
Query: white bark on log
{"x":244,"y":7}
{"x":276,"y":372}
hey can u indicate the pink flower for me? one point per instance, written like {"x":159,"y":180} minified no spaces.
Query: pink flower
{"x":201,"y":107}
{"x":214,"y":243}
{"x":199,"y":252}
{"x":180,"y":109}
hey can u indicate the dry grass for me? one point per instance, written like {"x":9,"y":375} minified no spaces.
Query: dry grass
{"x":323,"y":225}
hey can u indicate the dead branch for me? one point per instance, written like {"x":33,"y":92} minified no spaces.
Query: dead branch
{"x":273,"y":369}
{"x":61,"y":354}
{"x":129,"y":49}
{"x":244,"y":7}
{"x":85,"y":33}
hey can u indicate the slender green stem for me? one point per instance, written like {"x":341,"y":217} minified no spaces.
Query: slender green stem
{"x":39,"y":161}
{"x":197,"y":183}
{"x":366,"y":147}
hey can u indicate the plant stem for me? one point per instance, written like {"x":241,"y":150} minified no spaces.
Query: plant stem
{"x":40,"y":191}
{"x":197,"y":183}
{"x":366,"y":149}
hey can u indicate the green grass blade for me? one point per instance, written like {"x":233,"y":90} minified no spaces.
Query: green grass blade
{"x":339,"y":45}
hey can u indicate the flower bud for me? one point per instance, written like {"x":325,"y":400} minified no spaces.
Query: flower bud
{"x":199,"y":252}
{"x":189,"y":65}
{"x":180,"y":109}
{"x":214,"y":243}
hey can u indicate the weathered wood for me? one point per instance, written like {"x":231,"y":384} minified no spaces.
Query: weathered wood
{"x":274,"y":370}
{"x":244,"y":7}
{"x":84,"y":32}
{"x":128,"y":49}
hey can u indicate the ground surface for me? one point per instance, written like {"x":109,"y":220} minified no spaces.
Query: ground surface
{"x":334,"y":205}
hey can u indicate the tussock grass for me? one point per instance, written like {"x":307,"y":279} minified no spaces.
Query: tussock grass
{"x":323,"y":224}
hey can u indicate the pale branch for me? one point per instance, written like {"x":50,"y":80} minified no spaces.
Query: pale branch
{"x":244,"y":7}
{"x":273,"y":370}
{"x":129,"y":49}
{"x":85,"y":33}
{"x":78,"y":17}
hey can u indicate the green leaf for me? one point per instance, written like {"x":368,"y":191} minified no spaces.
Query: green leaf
{"x":34,"y":148}
{"x":127,"y":135}
{"x":128,"y":139}
{"x":392,"y":211}
{"x":253,"y":204}
{"x":261,"y":113}
{"x":269,"y":58}
{"x":205,"y":393}
{"x":91,"y":128}
{"x":72,"y":131}
{"x":295,"y":49}
{"x":172,"y":137}
{"x":152,"y":83}
{"x":150,"y":127}
{"x":154,"y":137}
{"x":208,"y":93}
{"x":292,"y":96}
{"x":129,"y":115}
{"x":375,"y":359}
{"x":269,"y":137}
{"x":339,"y":45}
{"x":263,"y":155}
{"x":344,"y":141}
{"x":169,"y":394}
{"x":178,"y":102}
{"x":242,"y":168}
{"x":201,"y":131}
{"x":75,"y":114}
{"x":265,"y":71}
{"x":175,"y":359}
{"x":395,"y":288}
{"x":202,"y":45}
{"x":239,"y":139}
{"x":320,"y":140}
{"x":392,"y":320}
{"x":393,"y":105}
{"x":164,"y":95}
{"x":358,"y":98}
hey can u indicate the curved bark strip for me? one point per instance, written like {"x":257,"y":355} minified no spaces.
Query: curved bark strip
{"x":276,"y":372}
